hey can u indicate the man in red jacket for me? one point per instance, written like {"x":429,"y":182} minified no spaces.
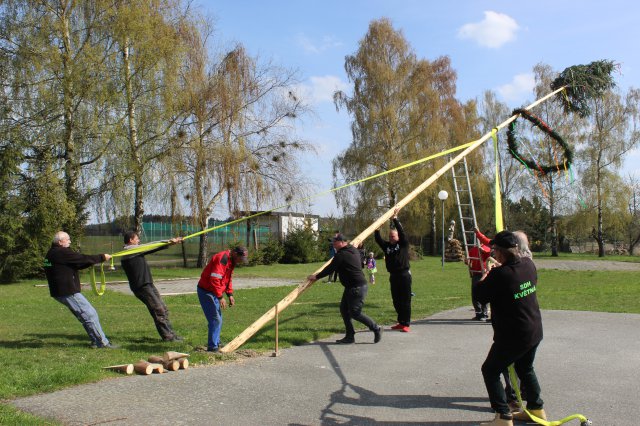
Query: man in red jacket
{"x":215,"y":281}
{"x":477,"y":267}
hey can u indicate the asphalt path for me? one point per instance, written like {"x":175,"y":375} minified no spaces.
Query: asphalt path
{"x":588,"y":363}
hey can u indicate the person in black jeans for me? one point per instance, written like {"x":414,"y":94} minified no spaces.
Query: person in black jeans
{"x":517,"y":327}
{"x":347,"y":264}
{"x":396,"y":259}
{"x":141,"y":284}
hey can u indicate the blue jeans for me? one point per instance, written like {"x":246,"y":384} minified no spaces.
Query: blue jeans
{"x":87,"y":315}
{"x":212,"y":311}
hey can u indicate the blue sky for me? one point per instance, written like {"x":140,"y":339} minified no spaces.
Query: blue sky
{"x":493,"y":45}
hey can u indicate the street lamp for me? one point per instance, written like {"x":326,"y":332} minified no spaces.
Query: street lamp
{"x":443,"y":195}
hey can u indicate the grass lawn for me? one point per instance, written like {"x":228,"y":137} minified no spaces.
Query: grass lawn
{"x":44,"y":348}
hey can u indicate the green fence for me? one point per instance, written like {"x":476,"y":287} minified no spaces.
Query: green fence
{"x":250,"y":235}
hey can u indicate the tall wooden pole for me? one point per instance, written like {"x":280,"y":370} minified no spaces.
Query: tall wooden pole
{"x":288,"y":299}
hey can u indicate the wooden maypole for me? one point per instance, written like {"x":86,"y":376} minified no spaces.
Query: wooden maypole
{"x":288,"y":299}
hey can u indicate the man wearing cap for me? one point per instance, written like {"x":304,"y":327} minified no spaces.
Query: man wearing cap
{"x":517,"y":327}
{"x":141,"y":284}
{"x":396,"y":259}
{"x":214,"y":282}
{"x":349,"y":267}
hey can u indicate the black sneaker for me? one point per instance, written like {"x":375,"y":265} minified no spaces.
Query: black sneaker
{"x":174,"y":338}
{"x":214,"y":350}
{"x":377,"y":334}
{"x":346,"y":340}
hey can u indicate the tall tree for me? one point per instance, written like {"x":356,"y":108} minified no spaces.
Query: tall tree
{"x":241,"y":142}
{"x":556,"y":187}
{"x":403,"y":109}
{"x":56,"y":80}
{"x":607,"y":135}
{"x":149,"y":39}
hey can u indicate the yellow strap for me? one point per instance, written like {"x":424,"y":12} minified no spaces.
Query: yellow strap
{"x":151,"y":246}
{"x":514,"y":384}
{"x":498,"y":197}
{"x":103,"y":281}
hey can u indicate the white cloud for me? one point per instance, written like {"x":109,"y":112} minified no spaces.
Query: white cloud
{"x":495,"y":30}
{"x":321,"y":89}
{"x":313,"y":46}
{"x":520,"y":87}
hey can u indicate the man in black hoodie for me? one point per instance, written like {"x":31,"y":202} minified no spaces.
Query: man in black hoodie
{"x":141,"y":284}
{"x":396,"y":259}
{"x":517,"y":327}
{"x":347,"y":264}
{"x":61,"y":266}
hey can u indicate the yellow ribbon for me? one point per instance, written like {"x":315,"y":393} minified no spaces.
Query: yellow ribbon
{"x":498,"y":197}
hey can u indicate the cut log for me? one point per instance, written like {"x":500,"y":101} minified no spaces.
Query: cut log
{"x":170,"y":356}
{"x":158,"y":368}
{"x":184,"y":363}
{"x":123,"y":368}
{"x":172,"y":365}
{"x":144,"y":367}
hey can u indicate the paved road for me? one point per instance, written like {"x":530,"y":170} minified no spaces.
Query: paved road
{"x":588,"y":363}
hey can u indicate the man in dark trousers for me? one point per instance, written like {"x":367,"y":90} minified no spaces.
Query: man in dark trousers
{"x":347,"y":264}
{"x":61,"y":265}
{"x":511,"y":290}
{"x":396,"y":259}
{"x":141,"y":284}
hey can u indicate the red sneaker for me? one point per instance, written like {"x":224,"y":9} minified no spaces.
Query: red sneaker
{"x":405,"y":329}
{"x":397,"y":327}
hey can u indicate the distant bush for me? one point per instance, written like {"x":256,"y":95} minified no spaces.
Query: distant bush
{"x":270,"y":252}
{"x":303,"y":245}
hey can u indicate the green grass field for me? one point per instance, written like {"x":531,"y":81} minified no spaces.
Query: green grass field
{"x":44,"y":348}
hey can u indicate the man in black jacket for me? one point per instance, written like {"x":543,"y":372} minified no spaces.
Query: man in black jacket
{"x":349,"y":267}
{"x":396,"y":259}
{"x":61,"y":266}
{"x":141,"y":284}
{"x":517,"y":327}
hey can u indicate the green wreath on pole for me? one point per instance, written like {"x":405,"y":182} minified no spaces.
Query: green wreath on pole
{"x":544,"y":127}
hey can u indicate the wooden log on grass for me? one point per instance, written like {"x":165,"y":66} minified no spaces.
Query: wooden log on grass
{"x":146,"y":368}
{"x":184,"y":363}
{"x":170,"y":356}
{"x":122,"y":368}
{"x":172,"y":365}
{"x":288,"y":299}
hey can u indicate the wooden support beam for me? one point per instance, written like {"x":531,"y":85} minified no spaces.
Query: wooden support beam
{"x":288,"y":299}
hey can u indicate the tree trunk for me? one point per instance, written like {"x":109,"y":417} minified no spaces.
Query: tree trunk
{"x":434,"y":229}
{"x":137,"y":168}
{"x":599,"y":234}
{"x":554,"y":222}
{"x":71,"y":165}
{"x":202,"y":251}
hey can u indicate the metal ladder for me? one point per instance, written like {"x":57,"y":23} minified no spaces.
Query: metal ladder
{"x":466,"y":209}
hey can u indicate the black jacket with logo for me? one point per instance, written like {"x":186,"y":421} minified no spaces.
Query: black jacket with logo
{"x":137,"y":268}
{"x":515,"y":313}
{"x":347,"y":263}
{"x":61,"y":265}
{"x":396,"y":255}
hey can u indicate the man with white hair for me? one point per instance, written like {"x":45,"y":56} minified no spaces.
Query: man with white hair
{"x":61,"y":266}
